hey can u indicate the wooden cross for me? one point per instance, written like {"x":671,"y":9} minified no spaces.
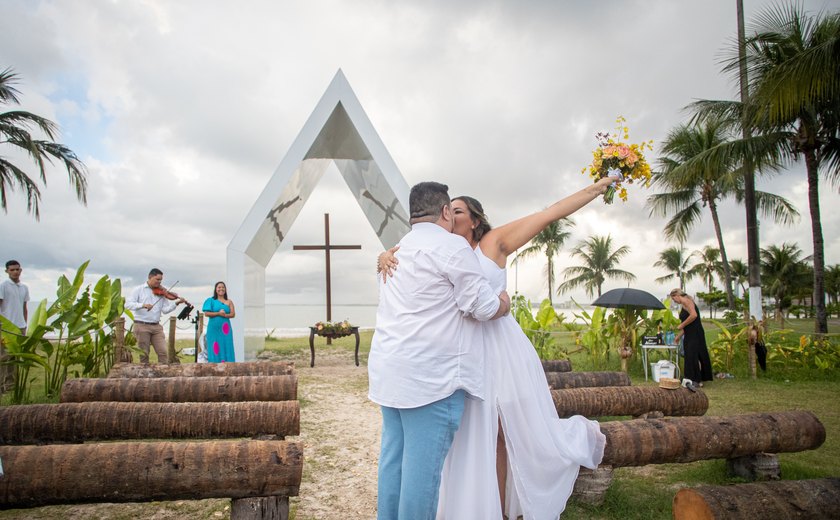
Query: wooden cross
{"x":326,"y":248}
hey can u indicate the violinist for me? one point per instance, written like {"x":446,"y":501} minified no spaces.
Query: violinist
{"x":148,"y":302}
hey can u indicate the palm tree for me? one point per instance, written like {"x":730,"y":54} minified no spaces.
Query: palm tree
{"x":740,"y":273}
{"x":550,"y":240}
{"x":15,"y":127}
{"x":832,"y":283}
{"x":708,"y":266}
{"x":674,"y":261}
{"x":690,"y":185}
{"x":599,"y":263}
{"x":794,"y":105}
{"x":780,"y":269}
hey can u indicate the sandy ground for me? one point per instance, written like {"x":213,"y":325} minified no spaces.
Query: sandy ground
{"x":340,"y":430}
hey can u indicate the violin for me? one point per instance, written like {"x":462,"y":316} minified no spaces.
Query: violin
{"x":160,"y":291}
{"x":163,"y":293}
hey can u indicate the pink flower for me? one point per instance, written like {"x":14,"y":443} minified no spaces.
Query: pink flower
{"x":225,"y":328}
{"x":623,"y":152}
{"x":216,"y":348}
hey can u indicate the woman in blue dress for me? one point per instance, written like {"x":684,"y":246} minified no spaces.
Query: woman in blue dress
{"x":219,"y":341}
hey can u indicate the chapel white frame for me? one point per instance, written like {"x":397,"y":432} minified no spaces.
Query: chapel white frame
{"x":339,"y":132}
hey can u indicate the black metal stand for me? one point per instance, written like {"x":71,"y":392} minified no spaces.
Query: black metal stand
{"x":194,"y":321}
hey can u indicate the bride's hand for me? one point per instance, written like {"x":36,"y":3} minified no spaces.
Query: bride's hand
{"x":601,"y":185}
{"x":387,"y":263}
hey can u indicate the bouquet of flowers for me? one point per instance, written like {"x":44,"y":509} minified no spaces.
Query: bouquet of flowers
{"x":337,"y":328}
{"x":615,"y":158}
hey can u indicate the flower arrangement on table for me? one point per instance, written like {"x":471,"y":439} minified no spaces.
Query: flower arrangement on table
{"x":615,"y":158}
{"x":334,"y":329}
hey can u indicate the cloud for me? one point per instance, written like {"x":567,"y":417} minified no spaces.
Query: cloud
{"x":182,"y":111}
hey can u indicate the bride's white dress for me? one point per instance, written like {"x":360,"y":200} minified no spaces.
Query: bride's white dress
{"x":544,"y":452}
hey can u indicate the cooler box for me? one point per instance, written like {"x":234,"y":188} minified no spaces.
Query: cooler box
{"x":663,"y":368}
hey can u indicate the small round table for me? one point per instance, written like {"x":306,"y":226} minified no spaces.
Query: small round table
{"x":314,"y":332}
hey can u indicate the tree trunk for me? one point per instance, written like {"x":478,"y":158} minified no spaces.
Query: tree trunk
{"x":727,"y":272}
{"x":253,"y":368}
{"x":148,"y":471}
{"x":550,"y":270}
{"x":812,"y":167}
{"x":687,"y":439}
{"x":182,"y":389}
{"x":98,"y":420}
{"x":800,"y":499}
{"x":557,"y":365}
{"x":561,"y":380}
{"x":628,"y":400}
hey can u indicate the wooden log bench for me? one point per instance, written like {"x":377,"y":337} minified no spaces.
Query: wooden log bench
{"x":249,"y":368}
{"x":263,"y":407}
{"x":801,"y":499}
{"x":557,"y":365}
{"x":107,"y":420}
{"x":639,"y":442}
{"x":181,"y":389}
{"x":628,"y":400}
{"x":563,"y":380}
{"x":150,"y":471}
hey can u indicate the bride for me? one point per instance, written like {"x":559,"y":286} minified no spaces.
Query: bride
{"x":544,"y":452}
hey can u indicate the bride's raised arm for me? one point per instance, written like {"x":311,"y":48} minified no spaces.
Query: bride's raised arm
{"x":498,"y":243}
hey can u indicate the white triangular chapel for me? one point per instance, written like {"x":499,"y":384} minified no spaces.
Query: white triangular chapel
{"x":339,"y":132}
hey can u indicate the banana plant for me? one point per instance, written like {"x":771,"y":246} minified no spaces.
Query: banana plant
{"x":22,"y":351}
{"x":79,"y":322}
{"x":596,"y":338}
{"x":539,"y":328}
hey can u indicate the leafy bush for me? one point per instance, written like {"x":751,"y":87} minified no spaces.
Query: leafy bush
{"x":81,"y":323}
{"x":540,"y":328}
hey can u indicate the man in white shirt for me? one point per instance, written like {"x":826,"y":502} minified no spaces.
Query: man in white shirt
{"x":147,"y":308}
{"x":13,"y":296}
{"x":427,"y":353}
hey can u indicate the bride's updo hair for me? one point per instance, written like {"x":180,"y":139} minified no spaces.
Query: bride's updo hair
{"x":482,"y":225}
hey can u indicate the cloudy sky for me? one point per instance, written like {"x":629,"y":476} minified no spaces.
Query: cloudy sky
{"x":183,"y":109}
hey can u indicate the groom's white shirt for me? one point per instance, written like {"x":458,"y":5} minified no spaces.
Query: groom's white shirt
{"x":426,"y":344}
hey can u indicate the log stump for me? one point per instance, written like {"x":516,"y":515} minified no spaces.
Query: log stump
{"x":591,"y":485}
{"x":687,"y":439}
{"x":563,"y":380}
{"x":789,"y":499}
{"x":628,"y":400}
{"x":181,"y":389}
{"x":148,"y":471}
{"x":557,"y":365}
{"x":251,"y":368}
{"x":104,"y":420}
{"x":262,"y":508}
{"x":760,"y":466}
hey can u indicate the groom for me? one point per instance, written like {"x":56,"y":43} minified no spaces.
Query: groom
{"x":426,"y":353}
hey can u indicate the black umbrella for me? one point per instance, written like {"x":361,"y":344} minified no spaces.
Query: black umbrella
{"x":628,"y":298}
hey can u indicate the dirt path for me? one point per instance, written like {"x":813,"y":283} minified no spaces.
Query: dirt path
{"x":340,"y":430}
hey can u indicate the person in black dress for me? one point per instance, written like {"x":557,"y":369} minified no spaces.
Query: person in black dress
{"x":698,"y":365}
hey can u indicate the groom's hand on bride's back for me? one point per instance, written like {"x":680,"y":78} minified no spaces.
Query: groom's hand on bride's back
{"x":504,"y":305}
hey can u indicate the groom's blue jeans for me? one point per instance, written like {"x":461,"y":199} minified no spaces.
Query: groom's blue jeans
{"x":415,"y":442}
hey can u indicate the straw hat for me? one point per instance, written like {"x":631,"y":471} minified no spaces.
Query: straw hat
{"x":669,"y":383}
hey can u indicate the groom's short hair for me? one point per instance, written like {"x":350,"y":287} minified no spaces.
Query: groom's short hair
{"x":426,"y":201}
